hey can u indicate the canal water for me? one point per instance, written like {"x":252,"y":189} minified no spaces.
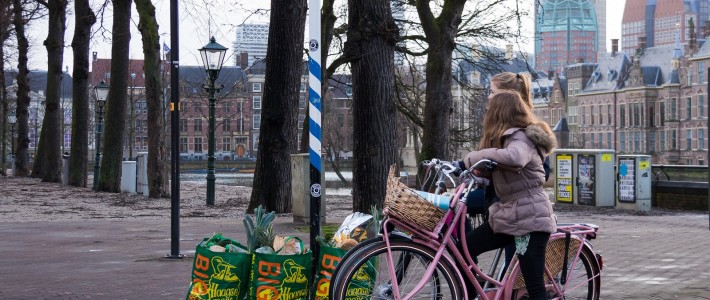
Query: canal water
{"x":227,"y":177}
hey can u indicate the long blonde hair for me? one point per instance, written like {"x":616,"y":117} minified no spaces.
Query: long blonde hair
{"x":506,"y":109}
{"x":516,"y":82}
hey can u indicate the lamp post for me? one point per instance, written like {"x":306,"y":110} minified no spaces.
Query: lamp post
{"x":101,"y":93}
{"x":212,"y":58}
{"x":12,"y":119}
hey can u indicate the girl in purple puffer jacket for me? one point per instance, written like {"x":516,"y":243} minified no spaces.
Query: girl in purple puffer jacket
{"x":514,"y":137}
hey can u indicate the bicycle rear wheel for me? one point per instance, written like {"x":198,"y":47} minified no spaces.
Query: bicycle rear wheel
{"x":583,"y":283}
{"x":365,"y":275}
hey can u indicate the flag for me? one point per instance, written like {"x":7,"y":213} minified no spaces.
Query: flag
{"x":166,"y":48}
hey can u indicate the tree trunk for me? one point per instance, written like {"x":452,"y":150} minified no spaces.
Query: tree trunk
{"x":79,"y":151}
{"x":279,"y":114}
{"x":5,"y":22}
{"x":48,"y":162}
{"x":158,"y":169}
{"x":110,"y":173}
{"x":372,"y":35}
{"x":23,"y":95}
{"x":440,"y":36}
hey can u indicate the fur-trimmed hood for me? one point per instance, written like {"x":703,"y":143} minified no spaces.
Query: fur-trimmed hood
{"x":541,"y":138}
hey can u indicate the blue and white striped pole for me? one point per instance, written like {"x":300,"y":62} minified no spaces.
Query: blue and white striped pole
{"x":314,"y":122}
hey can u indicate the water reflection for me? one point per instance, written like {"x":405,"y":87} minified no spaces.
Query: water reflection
{"x":333,"y":183}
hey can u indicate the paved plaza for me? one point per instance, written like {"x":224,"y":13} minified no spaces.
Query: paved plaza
{"x":663,"y":256}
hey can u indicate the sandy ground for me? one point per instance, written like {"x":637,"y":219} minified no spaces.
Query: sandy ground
{"x":29,"y":200}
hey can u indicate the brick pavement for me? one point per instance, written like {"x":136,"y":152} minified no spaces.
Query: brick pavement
{"x":646,"y":257}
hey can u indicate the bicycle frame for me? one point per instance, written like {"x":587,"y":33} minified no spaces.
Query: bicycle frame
{"x":446,"y":248}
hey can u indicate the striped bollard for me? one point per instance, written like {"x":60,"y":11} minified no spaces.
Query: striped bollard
{"x":314,"y":123}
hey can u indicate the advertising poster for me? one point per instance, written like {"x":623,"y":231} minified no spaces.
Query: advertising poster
{"x":563,"y":181}
{"x":627,"y":180}
{"x":585,"y":179}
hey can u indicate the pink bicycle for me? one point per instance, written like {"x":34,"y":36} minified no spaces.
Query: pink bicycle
{"x":418,"y":255}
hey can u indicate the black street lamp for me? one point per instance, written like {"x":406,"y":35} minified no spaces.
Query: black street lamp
{"x":12,"y":119}
{"x":212,"y":58}
{"x":101,"y":93}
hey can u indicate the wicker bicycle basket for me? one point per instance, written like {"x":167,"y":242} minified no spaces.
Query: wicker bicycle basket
{"x":403,"y":203}
{"x":554,"y":258}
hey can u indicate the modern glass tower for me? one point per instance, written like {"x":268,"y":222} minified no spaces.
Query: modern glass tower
{"x":567,"y":32}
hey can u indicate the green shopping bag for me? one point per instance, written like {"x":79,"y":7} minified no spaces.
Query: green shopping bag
{"x":282,"y":277}
{"x":219,"y":275}
{"x":360,"y":288}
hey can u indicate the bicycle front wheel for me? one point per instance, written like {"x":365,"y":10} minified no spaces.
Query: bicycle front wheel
{"x":365,"y":274}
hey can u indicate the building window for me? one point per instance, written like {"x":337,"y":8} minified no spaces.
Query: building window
{"x":608,"y":140}
{"x":600,"y":140}
{"x":601,"y":119}
{"x":688,"y":107}
{"x":662,"y":111}
{"x":255,"y":143}
{"x":183,"y":145}
{"x":662,"y":144}
{"x":256,"y":121}
{"x":622,"y":115}
{"x":690,"y":75}
{"x":701,"y":138}
{"x":701,"y":106}
{"x":674,"y":139}
{"x":256,"y":102}
{"x":651,"y":116}
{"x":622,"y":141}
{"x":256,"y":87}
{"x":198,"y":125}
{"x":584,"y":115}
{"x":198,"y":144}
{"x":226,"y":106}
{"x":227,"y":124}
{"x":688,"y":139}
{"x":591,"y":140}
{"x":652,"y":141}
{"x":302,"y":103}
{"x":701,"y":72}
{"x":591,"y":116}
{"x":609,"y":114}
{"x":183,"y":125}
{"x":636,"y":111}
{"x":637,"y":142}
{"x":673,"y":109}
{"x":226,"y":144}
{"x":348,"y":90}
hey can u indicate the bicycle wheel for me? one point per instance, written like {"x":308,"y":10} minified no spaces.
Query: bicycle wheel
{"x":365,"y":275}
{"x":584,"y":281}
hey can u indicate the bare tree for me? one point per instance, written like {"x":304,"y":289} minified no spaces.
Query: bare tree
{"x":5,"y":30}
{"x":279,"y":115}
{"x":110,"y":174}
{"x":372,"y":35}
{"x":48,"y":159}
{"x":23,"y":92}
{"x":79,"y":151}
{"x":158,"y":184}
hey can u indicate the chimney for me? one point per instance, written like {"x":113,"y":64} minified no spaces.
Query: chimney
{"x":641,"y":44}
{"x":243,"y":60}
{"x":614,"y":47}
{"x":509,"y":52}
{"x":475,"y":52}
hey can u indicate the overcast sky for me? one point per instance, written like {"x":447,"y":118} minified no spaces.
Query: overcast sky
{"x":201,"y":19}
